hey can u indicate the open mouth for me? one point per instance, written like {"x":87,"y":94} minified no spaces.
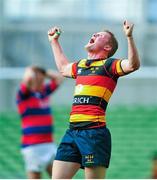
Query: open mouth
{"x":92,"y":41}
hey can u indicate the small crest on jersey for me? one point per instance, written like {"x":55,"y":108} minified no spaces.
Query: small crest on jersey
{"x":79,"y":71}
{"x":37,"y":95}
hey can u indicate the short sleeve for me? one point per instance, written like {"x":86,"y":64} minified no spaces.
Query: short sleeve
{"x":51,"y":87}
{"x":23,"y":93}
{"x":74,"y":70}
{"x":23,"y":88}
{"x":114,"y":68}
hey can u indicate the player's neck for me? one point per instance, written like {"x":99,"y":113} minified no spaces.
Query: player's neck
{"x":97,"y":56}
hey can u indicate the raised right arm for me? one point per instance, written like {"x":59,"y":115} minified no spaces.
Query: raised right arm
{"x":63,"y":64}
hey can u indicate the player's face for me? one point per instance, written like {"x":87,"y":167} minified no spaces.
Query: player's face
{"x":98,"y":42}
{"x":38,"y":81}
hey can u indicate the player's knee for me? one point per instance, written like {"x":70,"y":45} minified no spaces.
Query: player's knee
{"x":95,"y":172}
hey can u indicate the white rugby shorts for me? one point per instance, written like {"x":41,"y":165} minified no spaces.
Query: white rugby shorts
{"x":38,"y":157}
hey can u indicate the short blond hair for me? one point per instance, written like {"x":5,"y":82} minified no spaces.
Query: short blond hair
{"x":113,"y":42}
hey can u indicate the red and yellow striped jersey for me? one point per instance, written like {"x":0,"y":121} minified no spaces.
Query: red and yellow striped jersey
{"x":95,"y":83}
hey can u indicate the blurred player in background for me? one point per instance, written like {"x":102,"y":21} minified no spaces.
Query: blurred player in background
{"x":33,"y":102}
{"x":87,"y":143}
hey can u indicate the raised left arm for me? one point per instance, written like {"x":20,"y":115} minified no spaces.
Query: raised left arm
{"x":133,"y":62}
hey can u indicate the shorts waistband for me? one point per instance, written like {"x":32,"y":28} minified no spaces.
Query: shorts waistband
{"x":89,"y":125}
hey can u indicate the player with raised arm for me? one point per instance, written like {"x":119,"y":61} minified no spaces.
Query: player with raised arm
{"x":87,"y":142}
{"x":33,"y":102}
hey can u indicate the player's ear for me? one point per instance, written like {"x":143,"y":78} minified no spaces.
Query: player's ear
{"x":107,"y":48}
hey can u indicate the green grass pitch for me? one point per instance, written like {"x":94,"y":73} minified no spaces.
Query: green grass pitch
{"x":134,"y":139}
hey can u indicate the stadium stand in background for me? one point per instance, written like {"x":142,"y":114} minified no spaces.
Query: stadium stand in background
{"x":23,"y":42}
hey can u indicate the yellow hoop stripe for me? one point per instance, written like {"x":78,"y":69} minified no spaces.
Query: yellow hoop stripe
{"x":84,"y":117}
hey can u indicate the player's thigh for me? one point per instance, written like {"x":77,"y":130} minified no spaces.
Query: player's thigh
{"x":95,"y":147}
{"x":64,"y":170}
{"x":97,"y":172}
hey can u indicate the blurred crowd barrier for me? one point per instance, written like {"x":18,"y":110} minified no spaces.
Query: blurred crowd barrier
{"x":138,"y":88}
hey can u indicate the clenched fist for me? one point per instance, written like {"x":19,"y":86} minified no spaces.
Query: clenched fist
{"x":54,"y":33}
{"x":128,"y":28}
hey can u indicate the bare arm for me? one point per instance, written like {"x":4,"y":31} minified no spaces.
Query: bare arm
{"x":28,"y":77}
{"x":62,"y":62}
{"x":132,"y":63}
{"x":57,"y":77}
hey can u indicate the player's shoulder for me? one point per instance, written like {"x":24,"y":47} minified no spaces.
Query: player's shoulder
{"x":109,"y":61}
{"x":81,"y":62}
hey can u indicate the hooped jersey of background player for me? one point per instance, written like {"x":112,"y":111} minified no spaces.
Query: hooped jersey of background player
{"x":95,"y":83}
{"x":34,"y":109}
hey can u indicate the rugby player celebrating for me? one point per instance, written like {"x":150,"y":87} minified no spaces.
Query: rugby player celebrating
{"x":87,"y":143}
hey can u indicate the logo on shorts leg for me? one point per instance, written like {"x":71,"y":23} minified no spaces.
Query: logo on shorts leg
{"x":89,"y":159}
